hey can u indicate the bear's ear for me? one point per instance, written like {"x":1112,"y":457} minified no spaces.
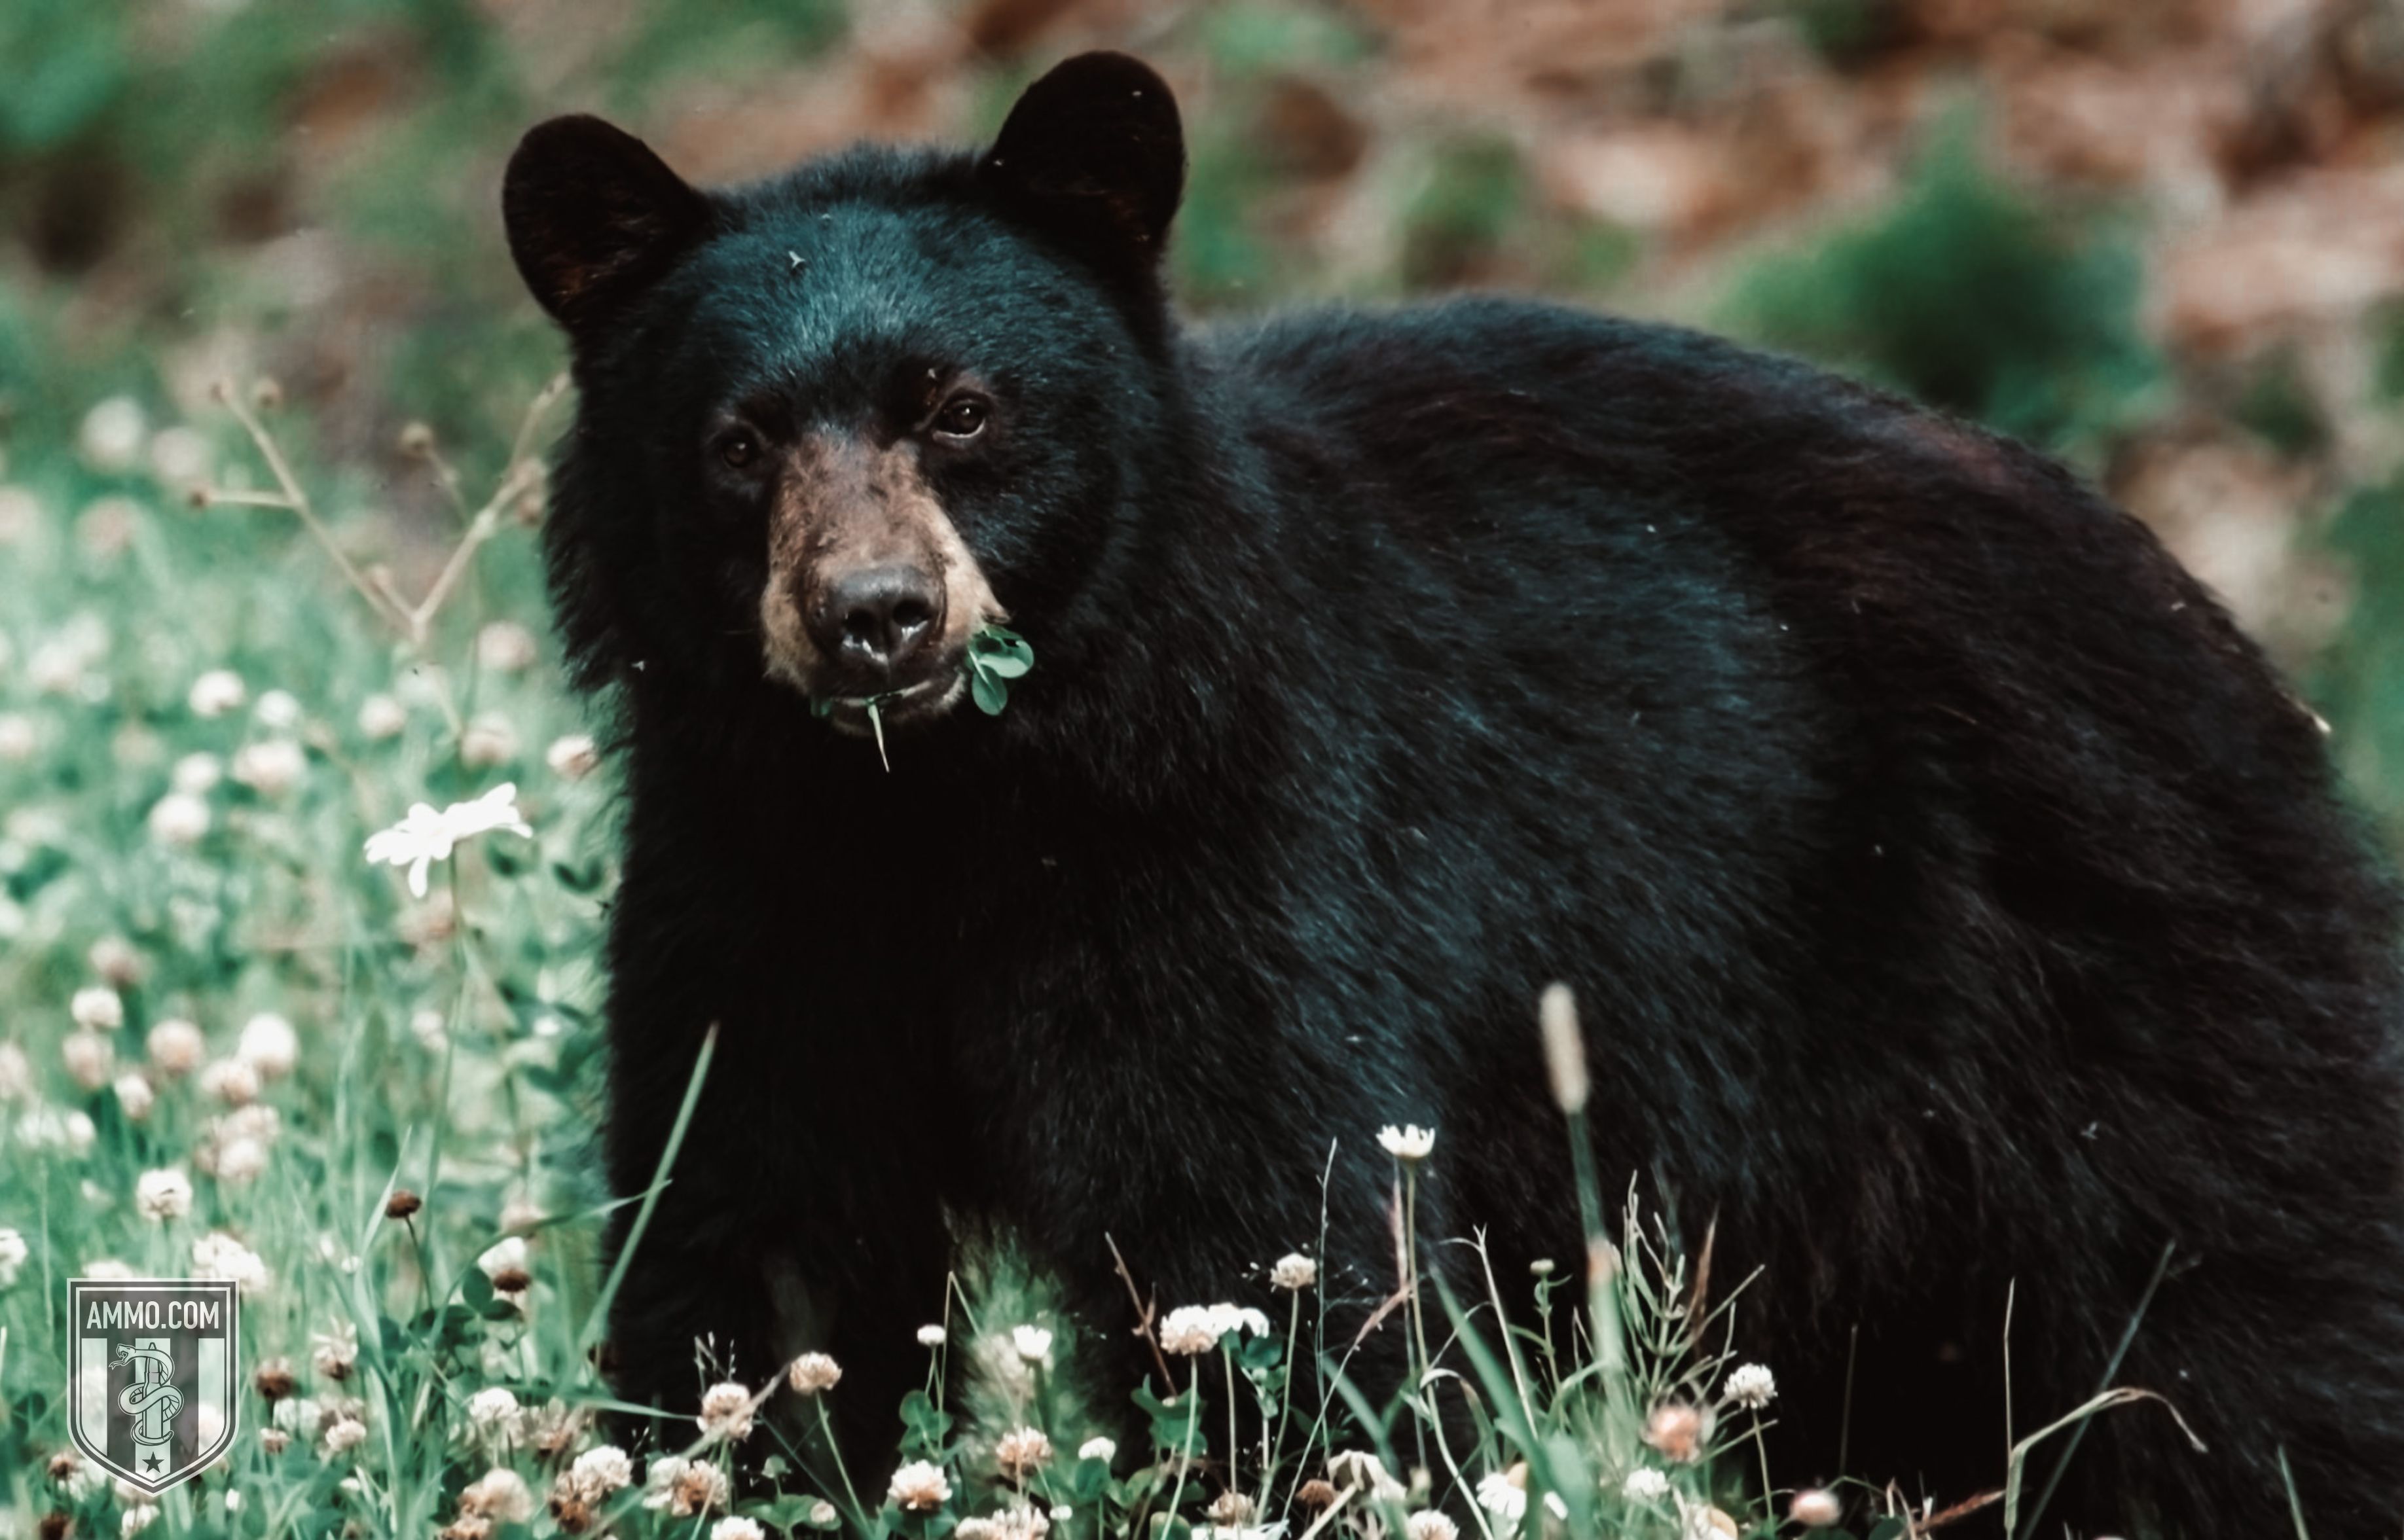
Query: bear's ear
{"x":594,"y":216}
{"x":1094,"y":152}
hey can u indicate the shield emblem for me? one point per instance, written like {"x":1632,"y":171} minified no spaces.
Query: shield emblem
{"x":150,"y":1393}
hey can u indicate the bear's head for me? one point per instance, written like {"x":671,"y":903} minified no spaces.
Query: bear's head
{"x":831,"y":424}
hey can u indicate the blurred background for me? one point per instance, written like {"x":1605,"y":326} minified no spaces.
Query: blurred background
{"x":2162,"y":238}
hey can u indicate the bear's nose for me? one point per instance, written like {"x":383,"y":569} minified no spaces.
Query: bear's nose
{"x":877,"y":618}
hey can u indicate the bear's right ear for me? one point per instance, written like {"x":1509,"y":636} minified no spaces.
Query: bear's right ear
{"x":594,"y":216}
{"x":1094,"y":152}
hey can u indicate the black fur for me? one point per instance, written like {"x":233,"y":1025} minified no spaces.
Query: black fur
{"x":1955,"y":898}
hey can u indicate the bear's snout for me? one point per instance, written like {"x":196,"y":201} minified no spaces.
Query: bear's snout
{"x":877,"y":620}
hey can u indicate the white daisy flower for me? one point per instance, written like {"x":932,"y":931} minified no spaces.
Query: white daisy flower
{"x":426,"y":836}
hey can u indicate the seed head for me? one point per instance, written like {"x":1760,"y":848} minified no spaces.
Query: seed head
{"x":402,"y":1203}
{"x":273,"y":1378}
{"x":1315,"y":1495}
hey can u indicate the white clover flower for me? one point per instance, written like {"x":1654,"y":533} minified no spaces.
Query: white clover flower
{"x":279,"y":711}
{"x":231,"y":1081}
{"x":218,"y":1254}
{"x":426,"y":836}
{"x":1104,"y":1449}
{"x":217,"y":692}
{"x":197,"y":773}
{"x":572,"y":758}
{"x":381,"y":717}
{"x":920,"y":1485}
{"x":14,"y":1253}
{"x":335,"y":1351}
{"x":1033,"y":1343}
{"x":272,"y":767}
{"x":269,"y":1045}
{"x":113,"y":958}
{"x":493,"y":1410}
{"x":1428,"y":1524}
{"x":1021,"y":1453}
{"x":427,"y":1027}
{"x":813,"y":1372}
{"x":736,"y":1527}
{"x":1294,"y":1272}
{"x":507,"y":647}
{"x":1409,"y":1143}
{"x":344,"y":1433}
{"x":178,"y":818}
{"x":506,"y":1254}
{"x":1644,"y":1485}
{"x":930,"y":1337}
{"x":1816,"y":1509}
{"x":133,"y":1096}
{"x":823,"y":1516}
{"x":113,"y":434}
{"x":491,"y":739}
{"x":1191,"y":1329}
{"x":180,"y":457}
{"x":160,"y":1195}
{"x":1751,"y":1386}
{"x":97,"y":1009}
{"x":15,"y":1074}
{"x":175,"y":1047}
{"x":725,"y":1411}
{"x":48,"y":1128}
{"x":91,"y":1059}
{"x":600,"y":1471}
{"x":19,"y":738}
{"x":684,"y":1488}
{"x":498,"y":1493}
{"x":137,"y":1518}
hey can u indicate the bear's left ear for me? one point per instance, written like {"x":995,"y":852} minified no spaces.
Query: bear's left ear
{"x":1094,"y":151}
{"x":593,"y":217}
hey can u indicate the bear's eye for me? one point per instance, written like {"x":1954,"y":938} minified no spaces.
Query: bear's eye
{"x":738,"y":450}
{"x":962,"y":417}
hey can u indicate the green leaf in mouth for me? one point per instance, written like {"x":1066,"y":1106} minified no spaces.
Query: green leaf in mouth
{"x":996,"y":657}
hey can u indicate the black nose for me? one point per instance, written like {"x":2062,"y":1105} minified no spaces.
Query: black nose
{"x":877,"y":618}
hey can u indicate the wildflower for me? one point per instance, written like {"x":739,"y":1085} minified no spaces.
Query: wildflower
{"x":174,"y":1047}
{"x":402,"y":1203}
{"x":46,"y":1128}
{"x":1505,"y":1495}
{"x":1816,"y":1509}
{"x":112,"y":435}
{"x":1103,"y":1450}
{"x":343,"y":1433}
{"x":381,"y":717}
{"x":600,"y":1471}
{"x":269,"y":1045}
{"x":1315,"y":1495}
{"x":180,"y":457}
{"x":15,"y":1074}
{"x":160,"y":1195}
{"x":217,"y":692}
{"x":1033,"y":1343}
{"x":1703,"y":1521}
{"x":90,"y":1059}
{"x":197,"y":773}
{"x":426,"y":836}
{"x":270,"y":767}
{"x":1024,"y":1522}
{"x":278,"y":710}
{"x":823,"y":1514}
{"x":813,"y":1372}
{"x":734,"y":1527}
{"x":685,"y":1488}
{"x":137,"y":1518}
{"x":1230,"y":1509}
{"x":1191,"y":1329}
{"x":498,"y":1493}
{"x":1751,"y":1386}
{"x":572,"y":758}
{"x":1294,"y":1272}
{"x":506,"y":648}
{"x":725,"y":1411}
{"x":426,"y":1027}
{"x":493,"y":1411}
{"x":919,"y":1486}
{"x":336,"y":1349}
{"x":506,"y":1259}
{"x":240,"y":1163}
{"x":218,"y":1254}
{"x":233,"y":1502}
{"x":929,"y":1336}
{"x":1678,"y":1431}
{"x":97,"y":1009}
{"x":1409,"y":1143}
{"x":1360,"y":1470}
{"x":274,"y":1379}
{"x":19,"y":738}
{"x":232,"y":1081}
{"x":1428,"y":1524}
{"x":489,"y":740}
{"x":14,"y":1253}
{"x":274,"y":1440}
{"x":178,"y":818}
{"x":133,"y":1096}
{"x":1021,"y":1453}
{"x":1644,"y":1485}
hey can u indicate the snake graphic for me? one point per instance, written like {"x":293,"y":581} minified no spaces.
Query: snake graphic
{"x":150,"y":1405}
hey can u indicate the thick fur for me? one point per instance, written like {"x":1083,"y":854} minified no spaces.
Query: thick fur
{"x":1956,"y":900}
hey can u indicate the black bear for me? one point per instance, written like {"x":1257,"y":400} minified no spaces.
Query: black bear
{"x":1959,"y":904}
